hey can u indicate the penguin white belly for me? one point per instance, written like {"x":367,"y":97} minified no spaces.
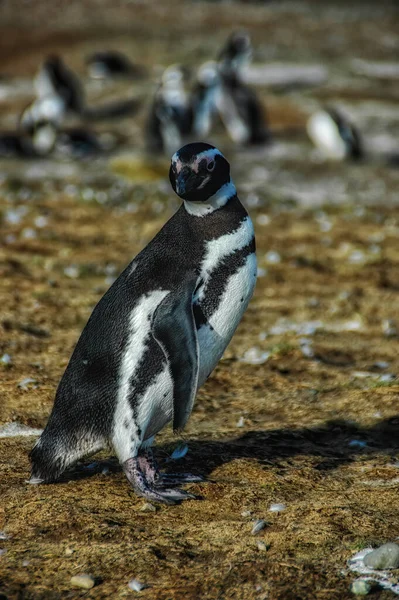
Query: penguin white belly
{"x":214,"y":337}
{"x":130,"y":427}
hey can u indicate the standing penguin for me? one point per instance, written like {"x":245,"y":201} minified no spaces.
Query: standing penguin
{"x":158,"y":333}
{"x":203,"y":98}
{"x":238,"y":105}
{"x":169,"y":118}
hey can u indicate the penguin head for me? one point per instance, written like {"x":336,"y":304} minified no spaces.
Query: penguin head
{"x":198,"y":171}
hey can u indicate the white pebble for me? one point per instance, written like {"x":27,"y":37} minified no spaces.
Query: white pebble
{"x":136,"y":586}
{"x":83,"y":581}
{"x":246,"y":513}
{"x":147,"y":507}
{"x":41,"y":221}
{"x":27,"y":383}
{"x":255,"y":356}
{"x":71,"y":271}
{"x":6,"y":359}
{"x":272,"y":257}
{"x":263,"y":219}
{"x":69,"y":551}
{"x":262,"y":547}
{"x":240,"y":422}
{"x":277,"y":507}
{"x":258,"y":526}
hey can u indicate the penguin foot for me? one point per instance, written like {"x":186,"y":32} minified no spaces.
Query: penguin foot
{"x":145,"y":488}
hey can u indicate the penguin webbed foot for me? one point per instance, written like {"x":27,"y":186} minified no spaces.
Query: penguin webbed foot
{"x":148,"y":489}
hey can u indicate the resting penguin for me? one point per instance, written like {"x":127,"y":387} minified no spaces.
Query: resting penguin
{"x":335,"y":136}
{"x":158,"y":332}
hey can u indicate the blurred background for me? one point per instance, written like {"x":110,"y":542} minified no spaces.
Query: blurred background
{"x":302,"y":97}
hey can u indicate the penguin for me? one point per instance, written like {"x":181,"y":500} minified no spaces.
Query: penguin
{"x":335,"y":136}
{"x":56,"y":81}
{"x":36,"y":142}
{"x":238,"y":105}
{"x":112,"y":64}
{"x":236,"y":53}
{"x":157,"y":333}
{"x":203,"y":99}
{"x":169,"y":118}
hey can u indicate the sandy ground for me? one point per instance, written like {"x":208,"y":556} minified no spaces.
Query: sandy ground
{"x":313,"y":426}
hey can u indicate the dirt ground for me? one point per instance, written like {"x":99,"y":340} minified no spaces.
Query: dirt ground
{"x":313,"y":426}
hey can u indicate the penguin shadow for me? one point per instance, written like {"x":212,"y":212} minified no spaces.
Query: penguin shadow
{"x":333,"y":444}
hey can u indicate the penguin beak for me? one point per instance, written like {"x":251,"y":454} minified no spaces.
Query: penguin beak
{"x":187,"y":181}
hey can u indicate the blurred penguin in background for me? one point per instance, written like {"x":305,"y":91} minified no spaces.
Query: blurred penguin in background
{"x":110,"y":64}
{"x":238,"y":106}
{"x":334,"y":135}
{"x":170,"y":116}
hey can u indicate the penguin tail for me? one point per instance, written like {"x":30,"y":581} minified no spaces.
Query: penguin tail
{"x":47,"y":462}
{"x":113,"y":110}
{"x":55,"y":451}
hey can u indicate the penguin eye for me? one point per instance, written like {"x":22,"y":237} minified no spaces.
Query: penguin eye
{"x":211,"y":165}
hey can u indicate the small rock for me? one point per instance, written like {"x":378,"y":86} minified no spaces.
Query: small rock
{"x":27,"y":383}
{"x":277,"y":507}
{"x":262,"y":547}
{"x":83,"y":581}
{"x":147,"y":507}
{"x":69,"y":551}
{"x":384,"y":557}
{"x":240,"y":422}
{"x":258,"y":526}
{"x":179,"y":452}
{"x":272,"y":257}
{"x":25,"y":563}
{"x":360,"y":587}
{"x":357,"y":444}
{"x":136,"y":586}
{"x":246,"y":513}
{"x":389,"y":328}
{"x":6,"y":360}
{"x":255,"y":356}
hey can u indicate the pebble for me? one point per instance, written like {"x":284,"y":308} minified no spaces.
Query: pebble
{"x":6,"y":360}
{"x":277,"y":507}
{"x":262,"y":547}
{"x":26,"y":383}
{"x":83,"y":581}
{"x":179,"y":452}
{"x":360,"y":587}
{"x":255,"y":356}
{"x":384,"y":557}
{"x":240,"y":422}
{"x":357,"y":444}
{"x":147,"y":507}
{"x":136,"y":586}
{"x":246,"y":513}
{"x":272,"y":257}
{"x":258,"y":526}
{"x":389,"y":328}
{"x":69,"y":551}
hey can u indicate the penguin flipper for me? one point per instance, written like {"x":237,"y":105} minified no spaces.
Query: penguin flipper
{"x":173,"y":327}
